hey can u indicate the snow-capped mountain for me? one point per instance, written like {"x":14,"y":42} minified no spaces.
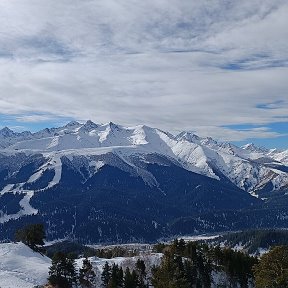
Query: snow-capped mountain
{"x":90,"y":157}
{"x":248,"y":167}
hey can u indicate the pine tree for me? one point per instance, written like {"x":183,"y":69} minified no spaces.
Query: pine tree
{"x":170,"y":274}
{"x":116,"y":279}
{"x":204,"y":271}
{"x":106,"y":275}
{"x":179,"y":246}
{"x":86,"y":274}
{"x":130,"y":279}
{"x":141,"y":271}
{"x":190,"y":272}
{"x":272,"y":270}
{"x":62,"y":271}
{"x":31,"y":235}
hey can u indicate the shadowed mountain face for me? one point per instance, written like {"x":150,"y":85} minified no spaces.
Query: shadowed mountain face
{"x":106,"y":183}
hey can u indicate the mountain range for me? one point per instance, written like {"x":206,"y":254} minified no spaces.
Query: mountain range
{"x":106,"y":182}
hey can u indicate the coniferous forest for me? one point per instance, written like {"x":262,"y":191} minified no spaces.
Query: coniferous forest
{"x":182,"y":264}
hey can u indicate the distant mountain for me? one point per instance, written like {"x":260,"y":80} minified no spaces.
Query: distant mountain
{"x":107,"y":182}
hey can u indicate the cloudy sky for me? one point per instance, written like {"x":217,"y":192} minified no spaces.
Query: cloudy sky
{"x":218,"y":68}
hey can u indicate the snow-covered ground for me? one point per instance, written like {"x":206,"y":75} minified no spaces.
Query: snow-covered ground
{"x":198,"y":237}
{"x":22,"y":267}
{"x":149,"y":259}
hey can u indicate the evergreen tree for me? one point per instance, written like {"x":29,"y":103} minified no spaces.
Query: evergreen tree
{"x":190,"y":273}
{"x":62,"y":271}
{"x":116,"y":279}
{"x":179,"y":246}
{"x":272,"y":270}
{"x":141,"y":271}
{"x":190,"y":265}
{"x":130,"y":279}
{"x":106,"y":275}
{"x":170,"y":273}
{"x":237,"y":265}
{"x":86,"y":274}
{"x":120,"y":277}
{"x":31,"y":235}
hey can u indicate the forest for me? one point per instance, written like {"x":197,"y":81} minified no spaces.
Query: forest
{"x":183,"y":264}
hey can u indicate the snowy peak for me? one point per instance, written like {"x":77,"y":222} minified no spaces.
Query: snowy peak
{"x":193,"y":138}
{"x":25,"y":134}
{"x":9,"y":137}
{"x":209,"y":141}
{"x":113,"y":126}
{"x":250,"y":147}
{"x":88,"y":126}
{"x":248,"y":167}
{"x":6,"y":132}
{"x":73,"y":124}
{"x":253,"y":148}
{"x":188,"y":136}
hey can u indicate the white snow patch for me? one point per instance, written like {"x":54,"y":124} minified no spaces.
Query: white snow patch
{"x":138,"y":137}
{"x":8,"y":188}
{"x":96,"y":165}
{"x":150,"y":260}
{"x":103,"y":135}
{"x":22,"y":267}
{"x":54,"y":142}
{"x":27,"y":209}
{"x":35,"y":176}
{"x":56,"y":164}
{"x":261,"y":251}
{"x":198,"y":237}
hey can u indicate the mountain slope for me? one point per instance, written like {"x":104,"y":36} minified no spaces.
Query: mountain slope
{"x":113,"y":177}
{"x":249,"y":167}
{"x":22,"y":267}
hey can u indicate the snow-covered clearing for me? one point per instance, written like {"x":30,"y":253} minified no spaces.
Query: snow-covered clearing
{"x":22,"y":267}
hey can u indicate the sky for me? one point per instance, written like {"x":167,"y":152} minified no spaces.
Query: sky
{"x":218,"y":68}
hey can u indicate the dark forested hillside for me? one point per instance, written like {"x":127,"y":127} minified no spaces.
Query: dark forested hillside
{"x":253,"y":241}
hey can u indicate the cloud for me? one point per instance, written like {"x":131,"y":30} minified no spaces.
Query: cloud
{"x":32,"y":28}
{"x":35,"y":118}
{"x":154,"y":89}
{"x":173,"y":64}
{"x":235,"y":135}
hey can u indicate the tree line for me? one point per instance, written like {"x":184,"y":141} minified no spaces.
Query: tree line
{"x":183,"y":265}
{"x":190,"y":264}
